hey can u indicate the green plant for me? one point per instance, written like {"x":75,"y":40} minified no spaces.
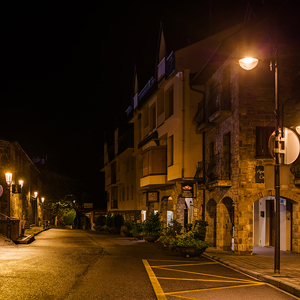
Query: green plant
{"x":136,"y":228}
{"x":198,"y":228}
{"x":70,"y":217}
{"x":187,"y":239}
{"x":152,"y":225}
{"x":118,"y":221}
{"x":99,"y":223}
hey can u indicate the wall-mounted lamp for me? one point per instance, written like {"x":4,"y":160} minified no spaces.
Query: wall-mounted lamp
{"x":35,"y":194}
{"x":17,"y":188}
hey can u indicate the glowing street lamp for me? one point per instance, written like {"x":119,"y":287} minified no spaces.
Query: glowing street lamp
{"x":8,"y":178}
{"x":249,"y":63}
{"x":35,"y":194}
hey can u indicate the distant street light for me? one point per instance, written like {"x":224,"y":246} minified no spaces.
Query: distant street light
{"x":8,"y":179}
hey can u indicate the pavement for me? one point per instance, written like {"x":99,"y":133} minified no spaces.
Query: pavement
{"x":259,"y":265}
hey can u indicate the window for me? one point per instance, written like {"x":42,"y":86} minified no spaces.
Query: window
{"x":170,"y":147}
{"x":132,"y":191}
{"x":127,"y":192}
{"x":169,"y":102}
{"x":169,"y":217}
{"x":226,"y":92}
{"x":143,"y":215}
{"x":160,"y":104}
{"x":146,"y":117}
{"x":262,"y":140}
{"x":153,"y":117}
{"x":226,"y":161}
{"x":114,"y":197}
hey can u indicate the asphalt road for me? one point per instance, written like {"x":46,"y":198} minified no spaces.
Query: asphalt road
{"x":77,"y":264}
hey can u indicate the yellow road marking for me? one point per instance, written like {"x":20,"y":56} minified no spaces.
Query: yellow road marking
{"x":203,"y":274}
{"x":206,"y":280}
{"x":162,"y":296}
{"x":180,"y":265}
{"x":156,"y":286}
{"x":211,"y":289}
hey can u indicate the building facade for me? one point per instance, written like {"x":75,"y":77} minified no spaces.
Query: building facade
{"x":201,"y":139}
{"x":20,"y":202}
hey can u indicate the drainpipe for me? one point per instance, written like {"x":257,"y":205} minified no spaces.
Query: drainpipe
{"x":203,"y":154}
{"x":183,"y":121}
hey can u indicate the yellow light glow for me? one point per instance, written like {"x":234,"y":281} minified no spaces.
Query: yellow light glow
{"x":248,"y":63}
{"x":8,"y":178}
{"x":21,"y":182}
{"x":43,"y":199}
{"x":298,"y":129}
{"x":35,"y":194}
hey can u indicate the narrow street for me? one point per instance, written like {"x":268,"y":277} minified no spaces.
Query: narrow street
{"x":77,"y":264}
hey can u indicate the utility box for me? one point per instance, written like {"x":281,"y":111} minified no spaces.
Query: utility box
{"x":14,"y":228}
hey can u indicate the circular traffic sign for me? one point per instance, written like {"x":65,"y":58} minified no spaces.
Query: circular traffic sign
{"x":289,"y":146}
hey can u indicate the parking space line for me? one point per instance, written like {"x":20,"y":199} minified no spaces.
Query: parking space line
{"x":178,"y":294}
{"x":156,"y":286}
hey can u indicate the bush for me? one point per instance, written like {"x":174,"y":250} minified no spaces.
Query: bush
{"x":70,"y":217}
{"x":152,"y":225}
{"x":199,"y":229}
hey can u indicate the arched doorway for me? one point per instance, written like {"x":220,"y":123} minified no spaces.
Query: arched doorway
{"x":211,"y":218}
{"x":225,"y":220}
{"x":264,"y":222}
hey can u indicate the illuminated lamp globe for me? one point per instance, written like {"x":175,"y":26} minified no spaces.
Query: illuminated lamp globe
{"x":298,"y":129}
{"x":8,"y":178}
{"x":248,"y":63}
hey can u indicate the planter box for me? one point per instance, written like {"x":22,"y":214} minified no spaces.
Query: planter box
{"x":190,"y":251}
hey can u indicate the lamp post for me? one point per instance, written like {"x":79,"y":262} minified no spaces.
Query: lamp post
{"x":249,"y":63}
{"x":8,"y":179}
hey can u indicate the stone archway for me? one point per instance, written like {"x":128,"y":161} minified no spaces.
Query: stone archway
{"x":225,"y":224}
{"x":211,"y":218}
{"x":290,"y":221}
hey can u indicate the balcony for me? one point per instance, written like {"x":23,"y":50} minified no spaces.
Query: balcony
{"x":215,"y":173}
{"x":295,"y":170}
{"x":219,"y":105}
{"x":154,"y":166}
{"x":203,"y":125}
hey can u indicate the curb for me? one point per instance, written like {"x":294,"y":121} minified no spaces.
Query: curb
{"x":290,"y":288}
{"x":29,"y":238}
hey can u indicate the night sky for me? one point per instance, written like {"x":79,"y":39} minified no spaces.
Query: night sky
{"x":67,"y":69}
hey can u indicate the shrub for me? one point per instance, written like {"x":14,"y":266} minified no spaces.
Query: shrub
{"x":70,"y":217}
{"x":152,"y":225}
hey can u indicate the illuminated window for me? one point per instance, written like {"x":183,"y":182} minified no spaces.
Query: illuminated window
{"x":143,"y":215}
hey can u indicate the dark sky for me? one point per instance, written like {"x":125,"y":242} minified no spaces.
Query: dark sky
{"x":67,"y":68}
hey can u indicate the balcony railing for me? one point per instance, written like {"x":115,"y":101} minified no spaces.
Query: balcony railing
{"x":218,"y":168}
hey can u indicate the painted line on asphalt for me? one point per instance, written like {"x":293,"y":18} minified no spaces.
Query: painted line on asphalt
{"x":211,"y":289}
{"x":156,"y":286}
{"x":178,"y":294}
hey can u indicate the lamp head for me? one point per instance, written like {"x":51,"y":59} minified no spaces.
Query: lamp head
{"x":248,"y":63}
{"x":8,"y":178}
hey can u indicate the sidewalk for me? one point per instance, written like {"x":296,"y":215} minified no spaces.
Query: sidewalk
{"x":261,"y":266}
{"x":28,"y":237}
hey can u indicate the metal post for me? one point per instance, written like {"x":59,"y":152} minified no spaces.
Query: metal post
{"x":277,"y":175}
{"x":8,"y":213}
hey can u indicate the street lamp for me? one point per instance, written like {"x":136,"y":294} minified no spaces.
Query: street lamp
{"x":8,"y":179}
{"x":249,"y":63}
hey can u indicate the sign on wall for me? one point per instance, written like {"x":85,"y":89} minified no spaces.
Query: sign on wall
{"x":259,"y":174}
{"x":152,"y":196}
{"x":187,"y":190}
